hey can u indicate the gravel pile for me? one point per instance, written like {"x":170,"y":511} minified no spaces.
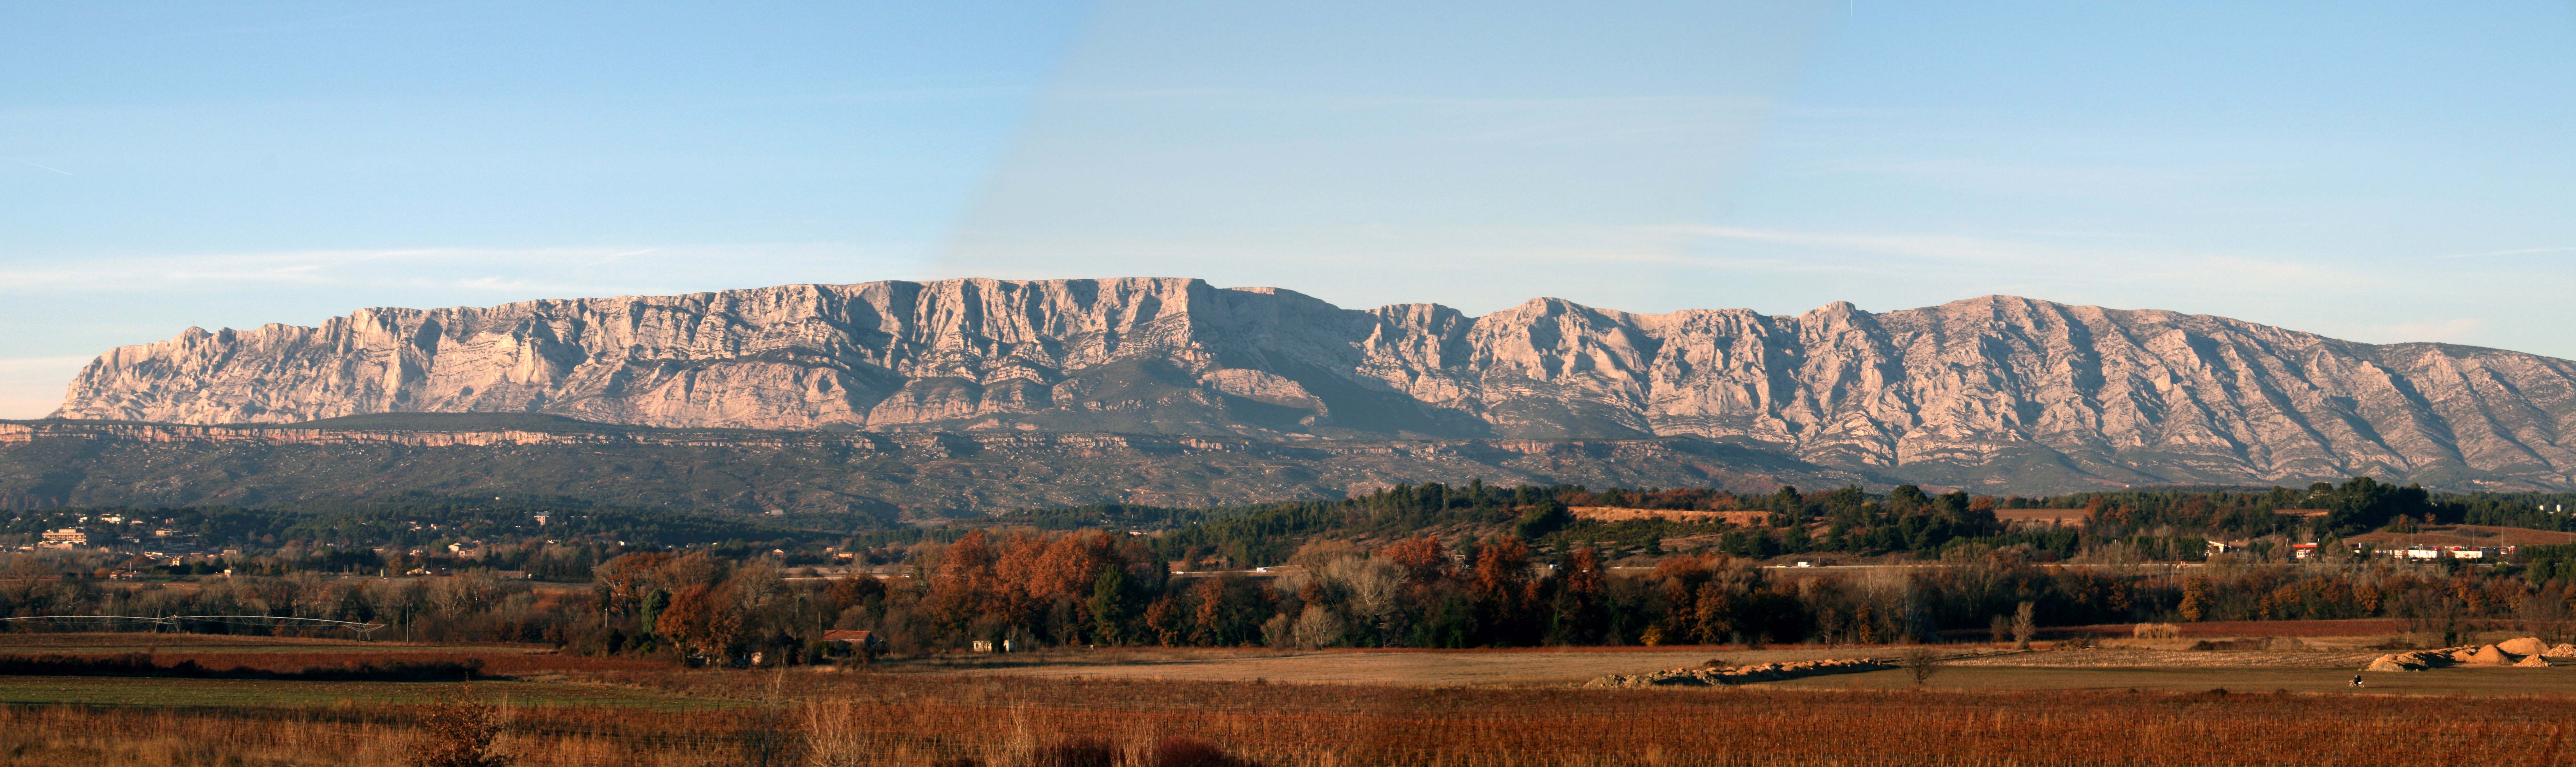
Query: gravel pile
{"x":2526,"y":652}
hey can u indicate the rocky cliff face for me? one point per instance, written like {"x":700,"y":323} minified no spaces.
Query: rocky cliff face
{"x":1984,"y":392}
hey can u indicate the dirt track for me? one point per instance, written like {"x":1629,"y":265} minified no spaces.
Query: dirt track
{"x":1432,"y":668}
{"x":2136,"y":658}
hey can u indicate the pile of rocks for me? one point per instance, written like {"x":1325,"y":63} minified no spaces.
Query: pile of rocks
{"x":2526,"y":652}
{"x":1759,"y":672}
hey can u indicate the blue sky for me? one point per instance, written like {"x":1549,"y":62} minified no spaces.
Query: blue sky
{"x":2376,"y":171}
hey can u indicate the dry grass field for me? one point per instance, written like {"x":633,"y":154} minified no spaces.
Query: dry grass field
{"x":910,"y":719}
{"x":220,"y":652}
{"x":2557,"y":683}
{"x":1530,"y":667}
{"x":2115,"y":669}
{"x":1482,"y":708}
{"x":275,"y":693}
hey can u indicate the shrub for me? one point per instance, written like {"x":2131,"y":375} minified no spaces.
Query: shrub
{"x":1185,"y":752}
{"x":768,"y":735}
{"x":1080,"y":752}
{"x":458,"y":732}
{"x":1920,"y":663}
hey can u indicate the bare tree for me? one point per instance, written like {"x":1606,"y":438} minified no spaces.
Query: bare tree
{"x":2545,"y":614}
{"x":1280,"y":632}
{"x":836,"y":735}
{"x":1373,"y":585}
{"x":1921,"y":663}
{"x":768,"y":732}
{"x":2025,"y":623}
{"x":2433,"y":615}
{"x":1317,"y":627}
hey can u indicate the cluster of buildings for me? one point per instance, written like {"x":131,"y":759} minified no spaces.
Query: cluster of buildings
{"x":2415,"y":553}
{"x":2429,"y":553}
{"x":76,"y":538}
{"x":159,"y":546}
{"x":146,"y":545}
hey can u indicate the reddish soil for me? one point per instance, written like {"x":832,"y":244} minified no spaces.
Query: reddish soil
{"x":2067,"y":517}
{"x":1620,"y":514}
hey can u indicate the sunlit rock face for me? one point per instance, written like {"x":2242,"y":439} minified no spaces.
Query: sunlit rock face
{"x":1974,"y":392}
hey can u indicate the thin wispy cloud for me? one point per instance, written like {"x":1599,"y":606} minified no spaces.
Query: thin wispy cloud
{"x":1965,"y":250}
{"x":2008,"y":176}
{"x":2513,"y":252}
{"x":22,"y":364}
{"x":1531,"y":121}
{"x":293,"y":25}
{"x":31,"y":387}
{"x":2226,"y":273}
{"x":565,"y":271}
{"x":46,"y":167}
{"x":2092,"y":264}
{"x":1920,"y":246}
{"x":2453,"y":329}
{"x":903,"y":95}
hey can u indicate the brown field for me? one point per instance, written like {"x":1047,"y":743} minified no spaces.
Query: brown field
{"x":220,"y":652}
{"x":914,"y":719}
{"x":128,"y":692}
{"x":1481,"y":708}
{"x":1964,"y":669}
{"x":2150,"y":657}
{"x":2521,"y":686}
{"x":2377,"y":628}
{"x":1527,"y":667}
{"x":2044,"y":517}
{"x":1622,"y":514}
{"x":2465,"y":535}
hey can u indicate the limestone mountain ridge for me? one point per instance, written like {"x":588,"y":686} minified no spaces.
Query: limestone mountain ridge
{"x":1994,"y":392}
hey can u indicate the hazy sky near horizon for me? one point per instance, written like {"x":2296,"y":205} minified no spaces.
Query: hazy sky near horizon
{"x":2376,"y":171}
